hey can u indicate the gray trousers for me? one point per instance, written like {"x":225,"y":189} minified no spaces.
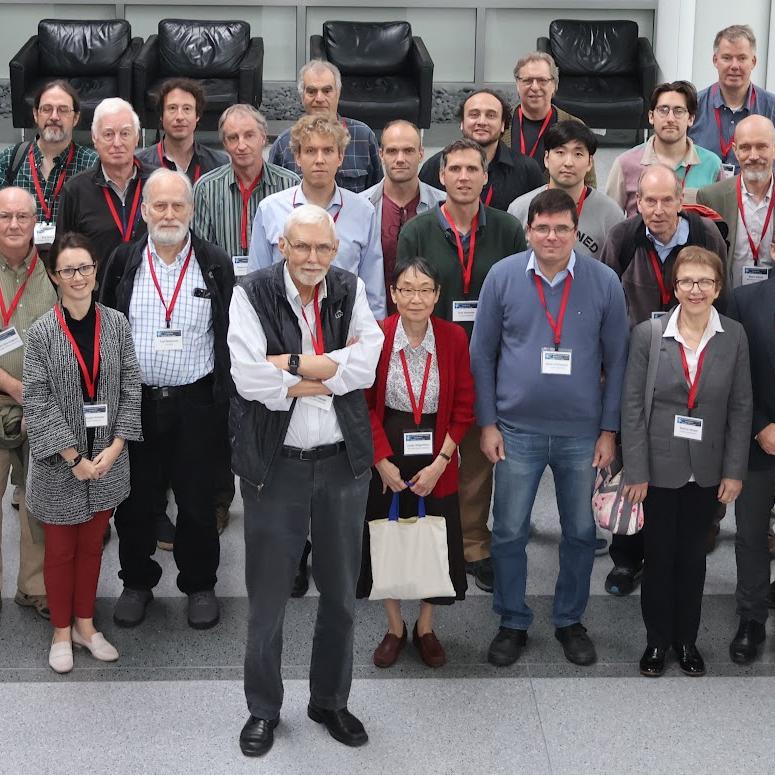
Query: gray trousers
{"x":299,"y":496}
{"x":752,"y":512}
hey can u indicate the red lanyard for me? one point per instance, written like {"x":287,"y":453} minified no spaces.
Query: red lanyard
{"x":555,"y":326}
{"x":580,"y":203}
{"x":89,"y":379}
{"x":466,"y":266}
{"x":417,"y":407}
{"x":246,"y":193}
{"x":341,"y":201}
{"x":692,"y":385}
{"x":168,"y":308}
{"x":665,"y":294}
{"x":160,"y":154}
{"x":541,"y":131}
{"x":7,"y":314}
{"x":317,"y":338}
{"x":726,"y":147}
{"x":686,"y":175}
{"x":488,"y":196}
{"x":125,"y":230}
{"x":754,"y":248}
{"x":48,"y":212}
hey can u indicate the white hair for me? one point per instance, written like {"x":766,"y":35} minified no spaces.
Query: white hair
{"x":160,"y":175}
{"x":309,"y":215}
{"x":109,"y":107}
{"x":319,"y":64}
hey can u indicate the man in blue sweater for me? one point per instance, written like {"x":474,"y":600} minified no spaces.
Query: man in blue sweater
{"x":549,"y":322}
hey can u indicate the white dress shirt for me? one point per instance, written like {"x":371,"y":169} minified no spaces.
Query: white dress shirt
{"x":258,"y":380}
{"x":755,"y":213}
{"x":396,"y":394}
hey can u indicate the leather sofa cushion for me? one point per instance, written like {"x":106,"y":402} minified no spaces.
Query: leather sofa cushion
{"x":601,"y":97}
{"x":91,"y":91}
{"x":368,"y":48}
{"x":202,"y":49}
{"x":220,"y":93}
{"x":594,"y":48}
{"x":371,"y":97}
{"x":78,"y":48}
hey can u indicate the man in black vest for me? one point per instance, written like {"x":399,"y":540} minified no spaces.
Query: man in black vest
{"x":304,"y":346}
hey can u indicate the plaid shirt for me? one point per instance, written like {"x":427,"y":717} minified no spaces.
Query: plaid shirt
{"x":361,"y":167}
{"x":83,"y":159}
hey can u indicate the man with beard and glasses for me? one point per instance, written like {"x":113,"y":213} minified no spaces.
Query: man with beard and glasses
{"x":41,"y":166}
{"x":175,"y":290}
{"x":746,"y":202}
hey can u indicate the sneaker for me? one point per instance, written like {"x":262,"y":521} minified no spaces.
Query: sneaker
{"x":622,"y":581}
{"x":483,"y":573}
{"x":203,"y":610}
{"x":576,"y":644}
{"x":130,"y":607}
{"x":165,"y":533}
{"x":506,"y":647}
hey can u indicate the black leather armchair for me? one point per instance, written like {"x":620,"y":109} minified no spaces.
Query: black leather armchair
{"x":607,"y":73}
{"x":94,"y":56}
{"x":221,"y":56}
{"x":387,"y":73}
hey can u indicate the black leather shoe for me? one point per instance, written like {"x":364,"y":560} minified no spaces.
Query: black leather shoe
{"x":301,"y":582}
{"x":483,"y":573}
{"x":506,"y":647}
{"x":341,"y":725}
{"x":744,"y":646}
{"x":576,"y":644}
{"x":257,"y":736}
{"x":622,"y":581}
{"x":771,"y":596}
{"x":652,"y":663}
{"x":689,"y":659}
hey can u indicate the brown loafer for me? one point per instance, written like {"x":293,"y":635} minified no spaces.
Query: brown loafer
{"x":431,"y":651}
{"x":387,"y":652}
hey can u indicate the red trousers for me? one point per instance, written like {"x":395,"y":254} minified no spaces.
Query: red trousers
{"x":71,"y":567}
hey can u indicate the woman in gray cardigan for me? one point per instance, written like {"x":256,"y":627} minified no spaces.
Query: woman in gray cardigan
{"x":692,"y":453}
{"x":81,"y":403}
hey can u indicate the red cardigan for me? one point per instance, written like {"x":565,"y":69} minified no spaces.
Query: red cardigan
{"x":456,"y":394}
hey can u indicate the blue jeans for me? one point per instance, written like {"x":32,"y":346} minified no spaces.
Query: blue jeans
{"x":516,"y":482}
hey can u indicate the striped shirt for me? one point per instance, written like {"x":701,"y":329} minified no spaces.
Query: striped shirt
{"x":218,"y":204}
{"x":192,"y":314}
{"x":83,"y":159}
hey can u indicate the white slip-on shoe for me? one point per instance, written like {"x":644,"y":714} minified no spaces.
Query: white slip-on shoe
{"x":99,"y":647}
{"x":60,"y":657}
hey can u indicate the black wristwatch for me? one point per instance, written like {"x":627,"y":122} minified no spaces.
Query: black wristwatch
{"x":294,"y":361}
{"x":75,"y":461}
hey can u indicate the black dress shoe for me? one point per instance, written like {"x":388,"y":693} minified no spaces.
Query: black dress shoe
{"x":652,"y":663}
{"x":506,"y":647}
{"x":622,"y":581}
{"x":257,"y":736}
{"x":483,"y":573}
{"x":341,"y":725}
{"x":301,"y":582}
{"x":745,"y":644}
{"x":689,"y":659}
{"x":771,"y":596}
{"x":576,"y":644}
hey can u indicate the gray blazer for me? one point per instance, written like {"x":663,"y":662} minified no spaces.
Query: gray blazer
{"x":429,"y":197}
{"x":53,"y":408}
{"x":724,"y":402}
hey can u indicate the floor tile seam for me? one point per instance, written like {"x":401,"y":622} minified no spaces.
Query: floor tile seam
{"x":540,"y":720}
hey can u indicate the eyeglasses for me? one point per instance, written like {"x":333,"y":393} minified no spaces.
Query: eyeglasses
{"x":303,"y":249}
{"x":21,"y":218}
{"x":560,"y":231}
{"x":664,"y":111}
{"x":109,"y":135}
{"x":687,"y":285}
{"x":536,"y":81}
{"x":85,"y":270}
{"x":407,"y":294}
{"x":47,"y":110}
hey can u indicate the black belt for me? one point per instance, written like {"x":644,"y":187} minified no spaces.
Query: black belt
{"x":157,"y":393}
{"x":314,"y":453}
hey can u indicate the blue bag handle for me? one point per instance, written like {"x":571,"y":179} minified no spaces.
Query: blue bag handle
{"x":393,"y":512}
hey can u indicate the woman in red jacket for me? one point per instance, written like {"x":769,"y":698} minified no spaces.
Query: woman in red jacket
{"x":423,"y":382}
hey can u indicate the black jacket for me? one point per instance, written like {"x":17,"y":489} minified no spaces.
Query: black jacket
{"x":203,"y":161}
{"x":117,"y":285}
{"x":257,"y":433}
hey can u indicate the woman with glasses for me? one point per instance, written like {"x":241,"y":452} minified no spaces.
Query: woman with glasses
{"x":424,"y":384}
{"x":690,"y":455}
{"x":82,"y":403}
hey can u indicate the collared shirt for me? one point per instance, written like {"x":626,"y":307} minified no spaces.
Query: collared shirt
{"x":119,"y":191}
{"x":465,"y":239}
{"x":361,"y":167}
{"x":705,"y":131}
{"x":680,"y":237}
{"x":204,"y":160}
{"x":83,"y":159}
{"x":218,"y":204}
{"x":357,"y":230}
{"x":396,"y":393}
{"x":258,"y":380}
{"x":559,"y":277}
{"x":192,"y":313}
{"x":38,"y":298}
{"x":755,"y":214}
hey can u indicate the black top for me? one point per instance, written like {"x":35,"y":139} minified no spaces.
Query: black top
{"x":204,"y":160}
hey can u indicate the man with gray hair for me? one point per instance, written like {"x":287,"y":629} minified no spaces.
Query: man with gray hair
{"x":103,"y":203}
{"x":304,"y":346}
{"x":175,"y":291}
{"x":724,"y":104}
{"x":320,"y":87}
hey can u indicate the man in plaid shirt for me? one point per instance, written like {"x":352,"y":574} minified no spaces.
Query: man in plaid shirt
{"x":51,"y":158}
{"x":320,"y":86}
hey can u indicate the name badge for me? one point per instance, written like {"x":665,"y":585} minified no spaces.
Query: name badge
{"x":319,"y":402}
{"x":44,"y":233}
{"x":418,"y":442}
{"x":556,"y":361}
{"x":240,"y":265}
{"x":727,"y":171}
{"x":95,"y":415}
{"x":167,"y":339}
{"x":755,"y":274}
{"x":657,"y":315}
{"x":10,"y":340}
{"x":687,"y":428}
{"x":464,"y":311}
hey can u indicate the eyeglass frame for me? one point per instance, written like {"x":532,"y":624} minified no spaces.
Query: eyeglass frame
{"x":697,"y":283}
{"x":73,"y":269}
{"x":677,"y":110}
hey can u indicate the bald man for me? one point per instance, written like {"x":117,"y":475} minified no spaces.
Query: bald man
{"x":746,"y":202}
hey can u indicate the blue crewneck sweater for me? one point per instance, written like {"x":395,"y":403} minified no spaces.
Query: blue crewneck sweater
{"x":510,"y":330}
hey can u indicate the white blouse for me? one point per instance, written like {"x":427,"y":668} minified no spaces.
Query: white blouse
{"x":396,"y":393}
